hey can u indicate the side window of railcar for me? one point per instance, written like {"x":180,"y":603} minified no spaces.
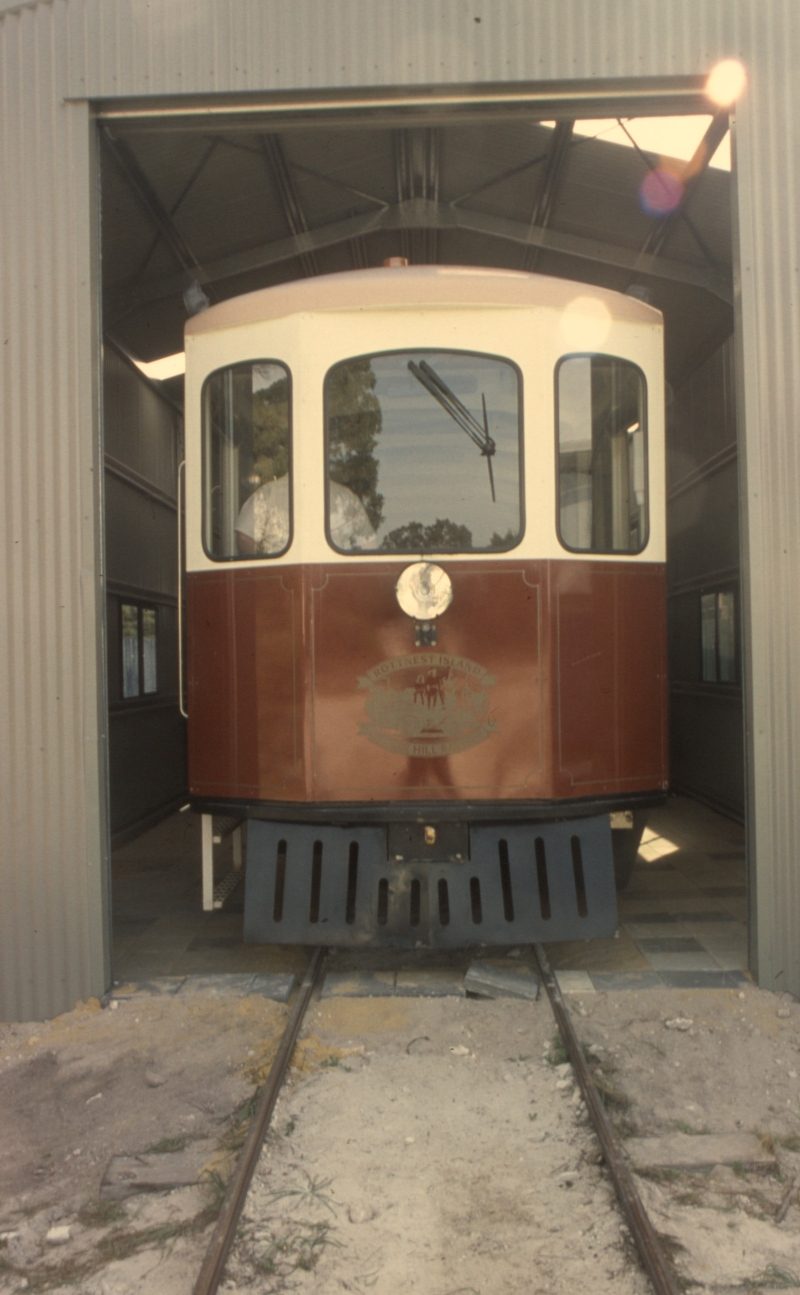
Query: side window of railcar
{"x":602,"y":454}
{"x":424,"y":453}
{"x":247,"y":461}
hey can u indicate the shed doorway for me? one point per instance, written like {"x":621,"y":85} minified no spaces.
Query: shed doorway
{"x":206,"y":202}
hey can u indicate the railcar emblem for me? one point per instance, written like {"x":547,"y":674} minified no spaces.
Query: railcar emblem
{"x":427,"y":704}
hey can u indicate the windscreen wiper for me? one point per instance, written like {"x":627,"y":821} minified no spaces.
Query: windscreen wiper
{"x":450,"y":402}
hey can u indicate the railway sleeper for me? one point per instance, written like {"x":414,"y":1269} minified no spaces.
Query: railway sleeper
{"x":506,"y":884}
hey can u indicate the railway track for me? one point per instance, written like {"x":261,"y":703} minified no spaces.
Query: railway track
{"x":224,"y":1232}
{"x":643,"y":1235}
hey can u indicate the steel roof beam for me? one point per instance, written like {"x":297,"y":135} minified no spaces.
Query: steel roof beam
{"x":554,"y":170}
{"x":127,"y":164}
{"x":562,"y":138}
{"x":181,"y":196}
{"x":416,"y":154}
{"x":694,"y":170}
{"x":424,"y":213}
{"x":277,"y":165}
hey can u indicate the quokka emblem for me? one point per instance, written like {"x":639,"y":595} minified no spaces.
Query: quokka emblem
{"x":427,"y":704}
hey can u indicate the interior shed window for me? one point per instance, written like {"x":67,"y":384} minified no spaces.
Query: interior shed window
{"x":718,"y":636}
{"x":139,"y":650}
{"x":602,"y":454}
{"x":246,"y":461}
{"x":424,"y":453}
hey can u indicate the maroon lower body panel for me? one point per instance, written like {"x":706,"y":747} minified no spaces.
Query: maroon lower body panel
{"x":547,"y":681}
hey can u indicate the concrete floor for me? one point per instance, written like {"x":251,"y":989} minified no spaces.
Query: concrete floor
{"x":682,"y":918}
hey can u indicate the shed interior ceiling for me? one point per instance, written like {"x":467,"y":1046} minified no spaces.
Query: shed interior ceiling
{"x":240,"y":206}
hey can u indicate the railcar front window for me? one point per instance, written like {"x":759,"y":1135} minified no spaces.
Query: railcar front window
{"x":246,"y":461}
{"x":602,"y":455}
{"x":424,"y":453}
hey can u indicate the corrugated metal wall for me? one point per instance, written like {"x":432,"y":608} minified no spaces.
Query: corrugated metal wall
{"x":52,"y":763}
{"x":53,"y":948}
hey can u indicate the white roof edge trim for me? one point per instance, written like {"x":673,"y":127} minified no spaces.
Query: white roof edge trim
{"x":411,"y":287}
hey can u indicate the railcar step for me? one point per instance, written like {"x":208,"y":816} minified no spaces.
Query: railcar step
{"x":522,"y":883}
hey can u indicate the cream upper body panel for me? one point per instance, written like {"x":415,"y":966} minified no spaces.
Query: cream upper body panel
{"x":531,"y":320}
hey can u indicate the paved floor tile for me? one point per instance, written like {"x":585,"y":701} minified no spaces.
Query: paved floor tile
{"x":159,"y":985}
{"x":730,"y":929}
{"x":663,"y":882}
{"x":619,"y":954}
{"x":608,"y":982}
{"x":643,"y":901}
{"x":438,"y":982}
{"x":275,"y":985}
{"x":704,"y":979}
{"x":488,"y":980}
{"x":737,"y":909}
{"x":643,"y":931}
{"x":574,"y":982}
{"x":657,"y":916}
{"x":213,"y":942}
{"x":697,"y":961}
{"x":704,"y":916}
{"x":685,"y":906}
{"x":358,"y":984}
{"x":234,"y":983}
{"x":669,"y":944}
{"x":730,"y":956}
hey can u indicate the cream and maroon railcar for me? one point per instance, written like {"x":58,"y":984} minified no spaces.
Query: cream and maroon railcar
{"x":425,"y":548}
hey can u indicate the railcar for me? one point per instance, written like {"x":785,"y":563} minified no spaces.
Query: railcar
{"x":425,"y":600}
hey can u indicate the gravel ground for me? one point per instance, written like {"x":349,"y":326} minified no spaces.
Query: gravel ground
{"x":452,"y":1155}
{"x":435,"y":1145}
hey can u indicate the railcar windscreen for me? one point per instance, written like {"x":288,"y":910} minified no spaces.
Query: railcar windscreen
{"x":602,"y":454}
{"x":247,"y":461}
{"x":424,"y":453}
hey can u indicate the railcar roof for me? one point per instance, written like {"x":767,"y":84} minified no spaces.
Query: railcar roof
{"x":412,"y":285}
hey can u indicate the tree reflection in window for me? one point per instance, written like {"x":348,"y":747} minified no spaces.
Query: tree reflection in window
{"x":442,"y":535}
{"x":354,"y":425}
{"x":246,"y":460}
{"x":396,"y":427}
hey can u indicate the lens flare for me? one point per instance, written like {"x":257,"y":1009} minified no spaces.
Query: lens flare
{"x":585,"y":323}
{"x":726,"y":82}
{"x":660,"y":192}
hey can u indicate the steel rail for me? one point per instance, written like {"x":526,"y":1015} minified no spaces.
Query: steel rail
{"x":644,"y":1234}
{"x":224,"y":1232}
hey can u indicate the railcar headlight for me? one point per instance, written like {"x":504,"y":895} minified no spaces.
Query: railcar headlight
{"x":424,"y":591}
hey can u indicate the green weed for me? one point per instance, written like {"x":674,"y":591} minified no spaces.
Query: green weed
{"x":609,"y":1095}
{"x":295,"y":1250}
{"x":659,"y":1175}
{"x":558,"y":1053}
{"x":774,"y":1278}
{"x":100,"y":1214}
{"x":216,"y":1188}
{"x":168,"y":1145}
{"x":314,"y":1189}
